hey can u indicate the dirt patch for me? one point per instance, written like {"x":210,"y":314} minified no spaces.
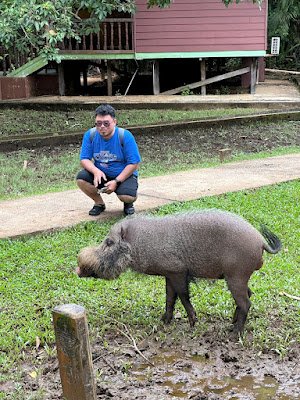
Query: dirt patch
{"x":204,"y":367}
{"x":205,"y":143}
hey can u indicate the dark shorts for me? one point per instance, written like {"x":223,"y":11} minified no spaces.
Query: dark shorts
{"x":128,"y":187}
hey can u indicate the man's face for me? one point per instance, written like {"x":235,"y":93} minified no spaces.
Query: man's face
{"x":105,"y":125}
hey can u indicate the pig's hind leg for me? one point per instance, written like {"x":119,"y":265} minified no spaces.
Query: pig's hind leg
{"x":235,"y":315}
{"x":241,"y":294}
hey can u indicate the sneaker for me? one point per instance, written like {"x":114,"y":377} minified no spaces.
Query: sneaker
{"x":129,"y":209}
{"x":97,"y":209}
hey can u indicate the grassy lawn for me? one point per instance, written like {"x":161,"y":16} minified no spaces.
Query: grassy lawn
{"x":15,"y":122}
{"x":37,"y":274}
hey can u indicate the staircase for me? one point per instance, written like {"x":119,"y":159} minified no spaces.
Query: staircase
{"x":28,"y":68}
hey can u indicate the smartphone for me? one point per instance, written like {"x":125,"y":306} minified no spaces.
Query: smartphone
{"x":102,"y":190}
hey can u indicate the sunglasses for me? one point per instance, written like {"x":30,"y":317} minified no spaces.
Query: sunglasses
{"x":106,"y":124}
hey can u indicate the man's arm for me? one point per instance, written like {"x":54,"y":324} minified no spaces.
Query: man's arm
{"x":98,"y":174}
{"x":126,"y":173}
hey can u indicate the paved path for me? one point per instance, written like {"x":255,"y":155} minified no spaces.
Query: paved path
{"x":60,"y":210}
{"x":270,"y":91}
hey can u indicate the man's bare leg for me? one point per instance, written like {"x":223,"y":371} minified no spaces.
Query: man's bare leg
{"x":90,"y":191}
{"x":128,"y":203}
{"x":127,"y":199}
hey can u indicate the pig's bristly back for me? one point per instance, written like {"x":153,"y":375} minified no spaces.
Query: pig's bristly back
{"x":207,"y":243}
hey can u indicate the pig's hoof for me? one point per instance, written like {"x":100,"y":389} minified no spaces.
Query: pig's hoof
{"x":192,"y":321}
{"x":166,"y":319}
{"x":236,"y":332}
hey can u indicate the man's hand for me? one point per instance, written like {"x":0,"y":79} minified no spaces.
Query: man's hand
{"x":111,"y":186}
{"x":98,"y":176}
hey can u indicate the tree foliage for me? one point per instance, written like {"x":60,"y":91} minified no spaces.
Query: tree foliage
{"x":41,"y":24}
{"x":284,"y":21}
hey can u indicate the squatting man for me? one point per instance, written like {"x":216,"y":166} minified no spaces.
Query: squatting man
{"x":110,"y":159}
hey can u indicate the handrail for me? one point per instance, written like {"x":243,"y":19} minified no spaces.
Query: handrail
{"x":115,"y":34}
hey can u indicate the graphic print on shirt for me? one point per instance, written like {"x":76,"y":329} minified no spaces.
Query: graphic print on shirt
{"x":104,"y":157}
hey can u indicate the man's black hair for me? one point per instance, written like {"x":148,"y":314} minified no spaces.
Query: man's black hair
{"x":105,"y":109}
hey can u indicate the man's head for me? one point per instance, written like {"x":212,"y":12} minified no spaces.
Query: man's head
{"x":105,"y":120}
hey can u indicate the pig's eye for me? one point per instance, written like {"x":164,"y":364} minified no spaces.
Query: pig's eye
{"x":109,"y":242}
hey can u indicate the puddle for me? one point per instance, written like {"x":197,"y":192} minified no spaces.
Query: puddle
{"x":185,"y":376}
{"x":245,"y":387}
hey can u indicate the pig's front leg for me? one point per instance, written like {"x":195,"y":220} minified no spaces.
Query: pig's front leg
{"x":171,"y":297}
{"x":179,"y":283}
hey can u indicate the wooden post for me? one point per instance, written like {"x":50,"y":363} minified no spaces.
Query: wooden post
{"x":261,"y":69}
{"x":74,"y":353}
{"x":224,"y":154}
{"x":61,"y":80}
{"x":109,"y":79}
{"x":203,"y":76}
{"x":253,"y":73}
{"x":156,"y":84}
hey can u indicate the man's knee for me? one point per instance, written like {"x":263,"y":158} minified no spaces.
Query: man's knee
{"x":84,"y":176}
{"x":81,"y":183}
{"x":125,"y":198}
{"x":86,"y":187}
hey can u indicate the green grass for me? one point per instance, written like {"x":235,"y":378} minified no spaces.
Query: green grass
{"x":37,"y":274}
{"x":55,"y":169}
{"x":19,"y":122}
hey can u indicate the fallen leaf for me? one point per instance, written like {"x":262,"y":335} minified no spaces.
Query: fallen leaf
{"x":33,"y":374}
{"x":37,"y":342}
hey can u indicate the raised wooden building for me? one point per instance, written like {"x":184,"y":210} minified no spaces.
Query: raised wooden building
{"x":175,"y":47}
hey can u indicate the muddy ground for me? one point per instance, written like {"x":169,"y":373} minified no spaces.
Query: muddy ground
{"x":209,"y":366}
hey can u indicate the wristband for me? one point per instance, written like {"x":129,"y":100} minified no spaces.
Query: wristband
{"x":117,"y":181}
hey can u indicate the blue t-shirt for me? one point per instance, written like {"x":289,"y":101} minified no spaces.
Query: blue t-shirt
{"x":109,"y":155}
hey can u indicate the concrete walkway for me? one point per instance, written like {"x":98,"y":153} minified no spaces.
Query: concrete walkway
{"x":281,"y":92}
{"x":60,"y":210}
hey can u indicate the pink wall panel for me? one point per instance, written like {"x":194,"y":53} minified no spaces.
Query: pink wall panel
{"x":200,"y":25}
{"x":205,"y":48}
{"x":201,"y":36}
{"x":170,"y":29}
{"x":194,"y":19}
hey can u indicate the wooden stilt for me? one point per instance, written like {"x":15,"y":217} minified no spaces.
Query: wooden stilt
{"x":156,"y":83}
{"x":61,"y":80}
{"x":109,"y":79}
{"x":74,"y":353}
{"x":203,"y":76}
{"x":253,"y":73}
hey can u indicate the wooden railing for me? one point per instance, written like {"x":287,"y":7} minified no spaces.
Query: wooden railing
{"x":13,"y":60}
{"x":115,"y":35}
